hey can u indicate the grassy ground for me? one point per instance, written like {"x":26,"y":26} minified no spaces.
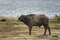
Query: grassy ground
{"x":19,"y":31}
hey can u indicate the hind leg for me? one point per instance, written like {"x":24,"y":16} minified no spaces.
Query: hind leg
{"x":45,"y":30}
{"x":49,"y":29}
{"x":46,"y":27}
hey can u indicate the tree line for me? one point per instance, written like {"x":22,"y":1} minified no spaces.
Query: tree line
{"x":56,"y":19}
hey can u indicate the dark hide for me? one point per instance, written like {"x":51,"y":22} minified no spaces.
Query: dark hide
{"x":35,"y":20}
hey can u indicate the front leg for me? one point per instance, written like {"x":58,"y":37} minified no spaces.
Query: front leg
{"x":30,"y":28}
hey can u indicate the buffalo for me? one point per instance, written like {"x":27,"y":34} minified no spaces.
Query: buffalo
{"x":36,"y":20}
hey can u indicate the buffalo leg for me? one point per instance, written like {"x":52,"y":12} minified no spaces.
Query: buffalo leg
{"x":49,"y":29}
{"x":39,"y":26}
{"x":45,"y":30}
{"x":30,"y":28}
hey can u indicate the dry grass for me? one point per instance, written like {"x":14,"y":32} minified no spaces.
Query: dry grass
{"x":19,"y":31}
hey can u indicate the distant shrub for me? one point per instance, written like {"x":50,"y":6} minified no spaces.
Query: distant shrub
{"x":3,"y":20}
{"x":56,"y":19}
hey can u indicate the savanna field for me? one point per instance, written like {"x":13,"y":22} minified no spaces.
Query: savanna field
{"x":15,"y":30}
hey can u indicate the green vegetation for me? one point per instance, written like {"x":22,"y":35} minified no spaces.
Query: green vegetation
{"x":56,"y":19}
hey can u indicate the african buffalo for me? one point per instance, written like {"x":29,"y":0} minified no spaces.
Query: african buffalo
{"x":35,"y":20}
